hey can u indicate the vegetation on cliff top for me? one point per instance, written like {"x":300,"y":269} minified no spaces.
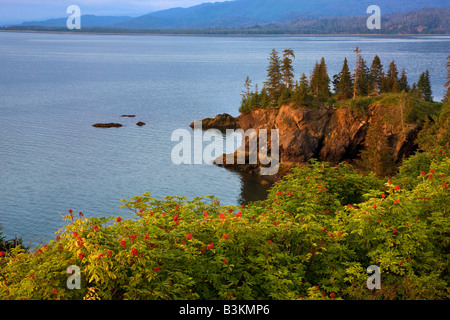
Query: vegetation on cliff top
{"x":314,"y":91}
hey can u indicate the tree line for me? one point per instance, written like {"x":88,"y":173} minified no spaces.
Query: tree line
{"x":360,"y":80}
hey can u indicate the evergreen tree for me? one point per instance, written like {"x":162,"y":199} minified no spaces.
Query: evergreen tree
{"x":300,"y":95}
{"x":345,"y":84}
{"x":264,"y":98}
{"x":324,"y":80}
{"x":392,"y":75}
{"x":361,"y":84}
{"x":274,"y":78}
{"x":287,"y":70}
{"x":247,"y":87}
{"x":335,"y":82}
{"x":403,"y":82}
{"x":385,"y":84}
{"x":315,"y":80}
{"x":375,"y":75}
{"x":424,"y":86}
{"x":357,"y":51}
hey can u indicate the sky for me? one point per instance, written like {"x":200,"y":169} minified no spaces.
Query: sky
{"x":18,"y":11}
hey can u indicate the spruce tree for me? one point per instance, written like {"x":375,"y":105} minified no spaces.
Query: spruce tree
{"x":375,"y":75}
{"x":424,"y":86}
{"x":345,"y":84}
{"x":315,"y":80}
{"x":274,"y":78}
{"x":357,"y":51}
{"x":300,"y":95}
{"x":403,"y":82}
{"x":392,"y":75}
{"x":361,"y":84}
{"x":324,"y":80}
{"x":384,"y":83}
{"x":287,"y":70}
{"x":247,"y":86}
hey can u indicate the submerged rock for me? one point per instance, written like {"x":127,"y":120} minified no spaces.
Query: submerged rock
{"x":128,"y":116}
{"x":140,"y":124}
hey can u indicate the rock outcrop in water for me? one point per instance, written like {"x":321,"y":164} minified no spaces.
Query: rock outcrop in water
{"x":107,"y":125}
{"x":221,"y":122}
{"x":327,"y":134}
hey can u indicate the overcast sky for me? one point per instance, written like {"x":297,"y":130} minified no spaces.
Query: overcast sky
{"x":15,"y":11}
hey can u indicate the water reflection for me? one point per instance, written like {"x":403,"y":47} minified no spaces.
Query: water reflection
{"x":251,"y":187}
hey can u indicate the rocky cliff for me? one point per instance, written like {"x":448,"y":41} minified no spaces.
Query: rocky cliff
{"x":330,"y":134}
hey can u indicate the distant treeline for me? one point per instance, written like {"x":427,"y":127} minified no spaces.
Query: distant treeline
{"x":423,"y":21}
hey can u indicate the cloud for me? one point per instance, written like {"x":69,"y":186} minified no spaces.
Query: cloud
{"x":15,"y":11}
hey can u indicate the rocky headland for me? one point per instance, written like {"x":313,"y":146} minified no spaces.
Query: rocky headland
{"x":326,"y":134}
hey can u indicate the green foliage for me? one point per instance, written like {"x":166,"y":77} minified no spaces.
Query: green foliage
{"x":424,"y":86}
{"x":361,"y":78}
{"x":447,"y":84}
{"x":435,"y":135}
{"x":274,"y":78}
{"x":313,"y":238}
{"x":375,"y":75}
{"x":344,"y":85}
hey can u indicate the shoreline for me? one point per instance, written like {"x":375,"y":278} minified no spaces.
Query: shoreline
{"x":288,"y":35}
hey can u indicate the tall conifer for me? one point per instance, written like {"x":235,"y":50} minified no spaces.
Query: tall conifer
{"x":345,"y":84}
{"x":274,"y":78}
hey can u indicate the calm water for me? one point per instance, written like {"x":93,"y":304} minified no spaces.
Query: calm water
{"x":54,"y":87}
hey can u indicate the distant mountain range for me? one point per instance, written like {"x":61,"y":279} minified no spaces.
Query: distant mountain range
{"x":267,"y":14}
{"x":89,"y":21}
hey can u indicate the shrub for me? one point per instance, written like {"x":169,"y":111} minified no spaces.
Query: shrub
{"x":313,"y":237}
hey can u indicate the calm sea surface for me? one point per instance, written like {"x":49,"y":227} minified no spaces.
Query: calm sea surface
{"x":53,"y":87}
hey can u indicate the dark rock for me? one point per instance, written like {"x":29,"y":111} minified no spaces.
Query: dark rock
{"x":140,"y":124}
{"x":107,"y":125}
{"x":128,"y":116}
{"x":221,"y":122}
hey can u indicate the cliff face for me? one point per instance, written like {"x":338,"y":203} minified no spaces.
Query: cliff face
{"x":331,"y":135}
